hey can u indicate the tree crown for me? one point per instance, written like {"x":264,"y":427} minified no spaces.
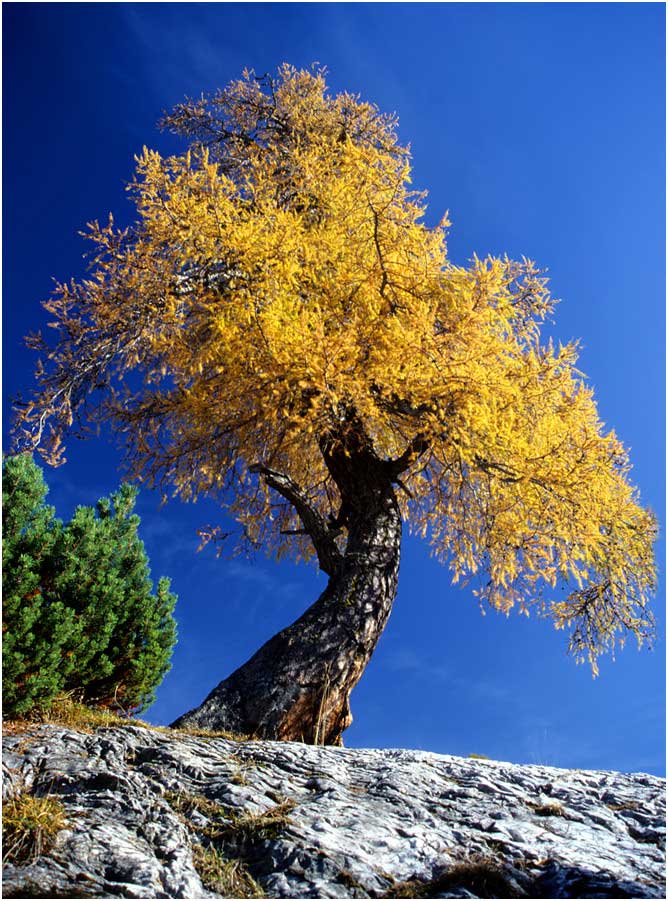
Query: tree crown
{"x":280,"y":299}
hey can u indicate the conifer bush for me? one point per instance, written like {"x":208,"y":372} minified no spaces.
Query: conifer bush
{"x":79,"y":611}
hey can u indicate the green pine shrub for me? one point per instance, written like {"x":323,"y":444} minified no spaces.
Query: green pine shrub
{"x":79,"y":612}
{"x":34,"y":626}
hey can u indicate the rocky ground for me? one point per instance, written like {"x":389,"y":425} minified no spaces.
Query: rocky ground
{"x":153,"y":814}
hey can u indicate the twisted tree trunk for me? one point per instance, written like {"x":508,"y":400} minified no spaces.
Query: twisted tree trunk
{"x":297,"y":686}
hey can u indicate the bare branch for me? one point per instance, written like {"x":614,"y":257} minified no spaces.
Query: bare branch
{"x":329,"y":556}
{"x":414,"y":450}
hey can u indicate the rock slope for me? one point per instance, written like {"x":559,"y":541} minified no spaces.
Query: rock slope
{"x":142,"y":807}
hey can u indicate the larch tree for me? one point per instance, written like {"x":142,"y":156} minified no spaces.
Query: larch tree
{"x":280,"y":330}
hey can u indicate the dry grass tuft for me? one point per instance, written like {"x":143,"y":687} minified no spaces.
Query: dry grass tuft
{"x":266,"y":824}
{"x":29,"y":827}
{"x":229,"y":878}
{"x":64,"y":711}
{"x":207,"y":733}
{"x":480,"y":875}
{"x":225,"y":822}
{"x":625,"y":805}
{"x":187,"y":804}
{"x":551,"y":809}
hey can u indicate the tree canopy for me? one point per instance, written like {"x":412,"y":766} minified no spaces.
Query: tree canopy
{"x":280,"y":296}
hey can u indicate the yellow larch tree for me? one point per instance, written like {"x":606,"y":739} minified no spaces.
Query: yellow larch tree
{"x":280,"y":330}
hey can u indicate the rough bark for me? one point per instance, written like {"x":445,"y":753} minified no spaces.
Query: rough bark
{"x":297,"y":686}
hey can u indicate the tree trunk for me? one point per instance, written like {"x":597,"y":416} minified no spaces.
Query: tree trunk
{"x":297,"y":686}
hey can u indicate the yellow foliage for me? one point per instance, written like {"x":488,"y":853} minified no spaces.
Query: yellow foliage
{"x":279,"y":285}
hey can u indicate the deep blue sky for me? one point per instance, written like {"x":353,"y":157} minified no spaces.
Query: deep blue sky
{"x":541,"y":127}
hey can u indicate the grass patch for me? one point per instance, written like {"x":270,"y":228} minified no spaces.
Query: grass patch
{"x":225,"y":822}
{"x":206,"y":733}
{"x":484,"y":877}
{"x":186,"y":804}
{"x":625,"y":805}
{"x":239,"y":778}
{"x":29,"y":827}
{"x":229,"y":878}
{"x":497,"y":846}
{"x":264,"y":825}
{"x":64,"y":711}
{"x":346,"y":878}
{"x":551,"y":809}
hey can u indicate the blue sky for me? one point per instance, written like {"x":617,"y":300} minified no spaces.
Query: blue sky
{"x":541,"y":127}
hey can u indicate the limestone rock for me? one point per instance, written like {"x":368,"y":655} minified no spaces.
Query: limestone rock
{"x":314,"y":822}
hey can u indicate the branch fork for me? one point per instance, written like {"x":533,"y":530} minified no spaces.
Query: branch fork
{"x":329,"y":556}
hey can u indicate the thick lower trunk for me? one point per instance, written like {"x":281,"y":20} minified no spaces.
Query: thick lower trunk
{"x":297,"y":686}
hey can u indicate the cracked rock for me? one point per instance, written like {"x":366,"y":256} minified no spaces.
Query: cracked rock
{"x":324,"y":822}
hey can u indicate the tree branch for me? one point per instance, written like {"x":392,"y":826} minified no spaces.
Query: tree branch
{"x":400,"y":406}
{"x":376,"y":238}
{"x":415,"y":449}
{"x":329,"y":556}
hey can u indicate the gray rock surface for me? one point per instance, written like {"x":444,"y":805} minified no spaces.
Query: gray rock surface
{"x":312,"y":822}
